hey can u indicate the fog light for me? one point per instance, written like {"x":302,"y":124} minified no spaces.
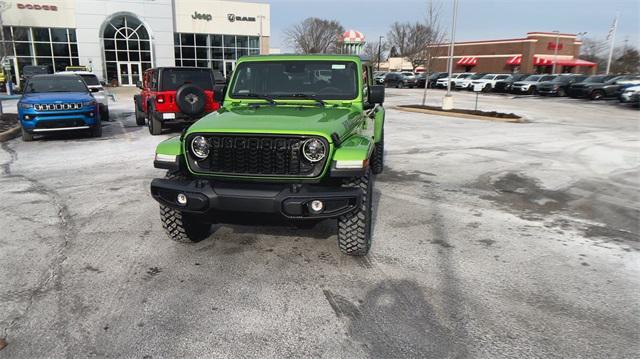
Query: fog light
{"x":182,"y":199}
{"x":316,"y":206}
{"x":91,"y":114}
{"x":27,"y":117}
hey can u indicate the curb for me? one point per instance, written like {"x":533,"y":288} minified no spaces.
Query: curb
{"x":10,"y":134}
{"x":460,"y":115}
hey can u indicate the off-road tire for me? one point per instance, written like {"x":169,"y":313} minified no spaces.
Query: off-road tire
{"x":140,"y":115}
{"x":26,"y":136}
{"x":155,"y":126}
{"x":377,"y":159}
{"x":96,"y":130}
{"x":140,"y":120}
{"x":354,"y":228}
{"x":182,"y":227}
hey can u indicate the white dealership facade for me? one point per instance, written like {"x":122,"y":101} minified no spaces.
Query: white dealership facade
{"x":119,"y":39}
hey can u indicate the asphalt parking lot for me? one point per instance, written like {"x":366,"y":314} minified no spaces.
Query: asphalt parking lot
{"x":491,"y":240}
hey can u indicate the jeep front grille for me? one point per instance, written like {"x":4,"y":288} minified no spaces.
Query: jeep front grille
{"x":256,"y":155}
{"x":58,"y":106}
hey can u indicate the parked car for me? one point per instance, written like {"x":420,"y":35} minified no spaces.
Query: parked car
{"x":397,"y":80}
{"x":51,"y":103}
{"x":278,"y":161}
{"x":488,"y":81}
{"x":442,"y":82}
{"x":378,"y":77}
{"x":410,"y":79}
{"x":602,"y":86}
{"x":530,"y":84}
{"x":460,"y":79}
{"x":560,"y":85}
{"x":421,"y":80}
{"x":505,"y":85}
{"x":465,"y":83}
{"x":175,"y":94}
{"x":96,"y":89}
{"x":631,"y":95}
{"x":434,"y":77}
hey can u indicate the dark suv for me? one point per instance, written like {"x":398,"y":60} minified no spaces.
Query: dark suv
{"x":586,"y":88}
{"x":560,"y":85}
{"x":505,"y":85}
{"x":174,"y":94}
{"x":605,"y":89}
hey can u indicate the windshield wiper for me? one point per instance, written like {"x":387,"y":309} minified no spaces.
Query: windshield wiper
{"x":261,"y":97}
{"x":310,"y":97}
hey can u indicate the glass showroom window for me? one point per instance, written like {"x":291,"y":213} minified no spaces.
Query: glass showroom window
{"x":127,"y":49}
{"x":219,"y":52}
{"x":55,"y":47}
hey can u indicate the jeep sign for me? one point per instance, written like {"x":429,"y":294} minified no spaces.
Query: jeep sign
{"x":198,"y":16}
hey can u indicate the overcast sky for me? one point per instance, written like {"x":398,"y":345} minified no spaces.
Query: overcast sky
{"x":477,"y":19}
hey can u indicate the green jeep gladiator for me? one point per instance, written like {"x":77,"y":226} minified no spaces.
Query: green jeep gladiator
{"x":299,"y":137}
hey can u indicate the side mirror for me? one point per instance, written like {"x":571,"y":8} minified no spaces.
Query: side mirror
{"x":376,"y":94}
{"x":219,"y":93}
{"x":103,"y":83}
{"x":139,"y":84}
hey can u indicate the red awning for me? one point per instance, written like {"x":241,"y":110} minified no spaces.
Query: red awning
{"x":540,"y":61}
{"x":576,"y":62}
{"x":516,"y":60}
{"x":468,"y":61}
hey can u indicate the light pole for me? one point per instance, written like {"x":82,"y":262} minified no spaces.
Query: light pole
{"x":555,"y":52}
{"x":447,"y":101}
{"x":379,"y":50}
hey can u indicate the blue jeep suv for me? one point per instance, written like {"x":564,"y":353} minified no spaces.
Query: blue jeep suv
{"x":57,"y":103}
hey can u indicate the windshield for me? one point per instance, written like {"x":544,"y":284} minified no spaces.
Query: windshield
{"x":464,"y":76}
{"x":488,"y":77}
{"x":329,"y":80}
{"x":90,"y":80}
{"x":55,"y":84}
{"x":172,"y":79}
{"x":532,"y":78}
{"x":596,"y":79}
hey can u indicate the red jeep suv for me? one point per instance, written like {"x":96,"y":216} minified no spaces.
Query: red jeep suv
{"x":174,"y":94}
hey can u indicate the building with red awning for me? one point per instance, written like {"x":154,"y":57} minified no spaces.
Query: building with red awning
{"x":535,"y":53}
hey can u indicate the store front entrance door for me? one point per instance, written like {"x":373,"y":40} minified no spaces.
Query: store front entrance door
{"x":129,"y":73}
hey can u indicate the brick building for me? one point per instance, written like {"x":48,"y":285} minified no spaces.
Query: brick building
{"x":533,"y":54}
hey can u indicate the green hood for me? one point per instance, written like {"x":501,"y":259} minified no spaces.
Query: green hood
{"x":281,"y":119}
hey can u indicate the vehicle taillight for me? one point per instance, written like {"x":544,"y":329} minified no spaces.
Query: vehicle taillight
{"x":160,"y":99}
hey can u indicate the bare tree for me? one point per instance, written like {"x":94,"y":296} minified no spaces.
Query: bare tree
{"x":627,"y":62}
{"x":431,"y":47}
{"x":397,"y":37}
{"x":372,"y":49}
{"x":315,"y":36}
{"x":595,"y":51}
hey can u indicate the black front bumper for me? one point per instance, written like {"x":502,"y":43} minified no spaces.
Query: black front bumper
{"x":287,"y":200}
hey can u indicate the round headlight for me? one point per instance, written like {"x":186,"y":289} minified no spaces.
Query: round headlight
{"x":314,"y":150}
{"x":200,"y":147}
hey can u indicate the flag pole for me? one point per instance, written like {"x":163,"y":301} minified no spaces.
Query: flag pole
{"x":612,"y":34}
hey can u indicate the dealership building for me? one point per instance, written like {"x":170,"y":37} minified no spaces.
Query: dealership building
{"x":119,"y":39}
{"x":536,"y":53}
